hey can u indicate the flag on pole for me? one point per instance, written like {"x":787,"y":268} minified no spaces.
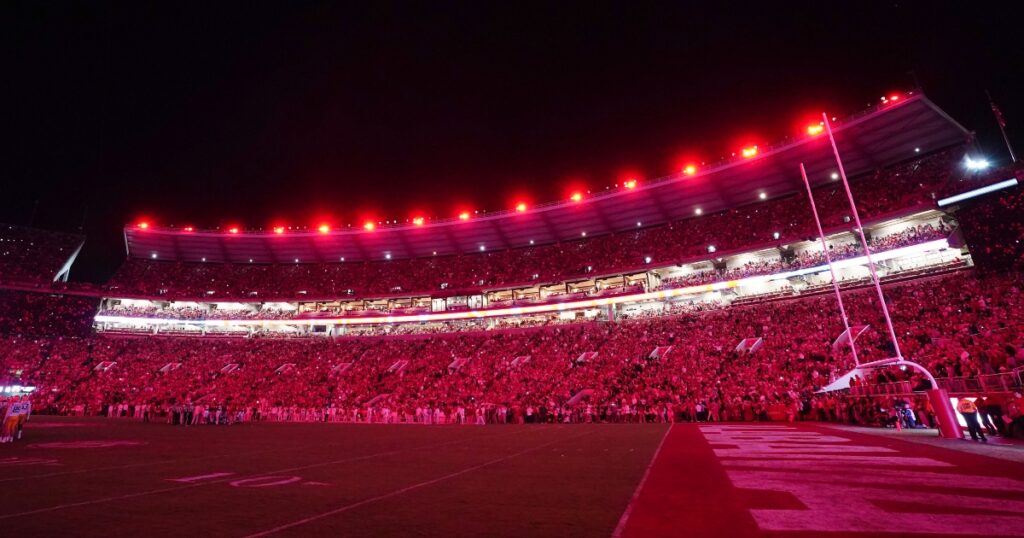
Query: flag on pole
{"x":999,"y":114}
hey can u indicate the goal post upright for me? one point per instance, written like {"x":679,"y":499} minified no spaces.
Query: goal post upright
{"x":831,"y":270}
{"x":938,"y":397}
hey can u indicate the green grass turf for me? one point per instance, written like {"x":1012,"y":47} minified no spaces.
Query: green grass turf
{"x":375,"y":480}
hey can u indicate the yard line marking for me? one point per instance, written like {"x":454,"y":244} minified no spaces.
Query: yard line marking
{"x":406,"y":489}
{"x":636,"y":493}
{"x":201,"y":484}
{"x":200,"y":478}
{"x":151,"y":463}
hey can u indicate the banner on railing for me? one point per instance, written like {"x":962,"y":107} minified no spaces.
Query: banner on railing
{"x":749,"y":345}
{"x":844,"y":339}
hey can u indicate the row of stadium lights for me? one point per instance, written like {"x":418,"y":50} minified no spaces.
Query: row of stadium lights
{"x":577,"y":196}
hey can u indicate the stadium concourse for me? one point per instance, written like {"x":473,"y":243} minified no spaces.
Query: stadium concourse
{"x":672,"y":377}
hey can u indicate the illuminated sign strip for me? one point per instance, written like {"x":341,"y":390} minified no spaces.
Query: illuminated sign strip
{"x":977,"y":192}
{"x":537,"y":309}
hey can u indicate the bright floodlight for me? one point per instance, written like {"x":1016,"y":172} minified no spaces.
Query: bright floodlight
{"x":711,"y":248}
{"x":698,"y":211}
{"x":647,"y":259}
{"x":762,"y":195}
{"x":279,"y":230}
{"x":233,"y":230}
{"x":323,"y":228}
{"x":521,"y":206}
{"x":630,"y":184}
{"x":775,"y":235}
{"x":576,"y":196}
{"x":815,"y":129}
{"x":835,"y":175}
{"x":418,"y":221}
{"x":143,"y":225}
{"x":369,"y":226}
{"x":976,"y":164}
{"x":749,"y":152}
{"x":464,"y":215}
{"x":690,"y":170}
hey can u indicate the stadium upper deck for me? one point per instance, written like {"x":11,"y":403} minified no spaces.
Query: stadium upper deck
{"x":894,"y":132}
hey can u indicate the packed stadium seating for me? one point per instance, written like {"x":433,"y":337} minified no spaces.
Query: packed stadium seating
{"x":889,"y":191}
{"x":33,"y":256}
{"x":958,"y":325}
{"x":994,"y":224}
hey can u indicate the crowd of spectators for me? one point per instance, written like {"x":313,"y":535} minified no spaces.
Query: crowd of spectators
{"x":33,"y":256}
{"x":995,"y":225}
{"x":810,"y":258}
{"x":958,"y":325}
{"x":890,"y":190}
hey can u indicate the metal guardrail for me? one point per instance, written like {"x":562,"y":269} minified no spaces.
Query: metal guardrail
{"x":989,"y":383}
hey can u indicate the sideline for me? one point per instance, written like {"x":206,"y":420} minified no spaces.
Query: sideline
{"x":643,"y":480}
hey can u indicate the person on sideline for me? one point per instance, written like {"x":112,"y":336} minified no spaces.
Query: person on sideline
{"x":970,"y":412}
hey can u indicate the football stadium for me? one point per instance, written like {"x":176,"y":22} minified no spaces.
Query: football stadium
{"x":819,"y":335}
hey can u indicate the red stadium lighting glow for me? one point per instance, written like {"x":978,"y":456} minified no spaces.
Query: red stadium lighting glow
{"x":279,"y":230}
{"x":749,"y":152}
{"x":576,"y":197}
{"x":369,"y":226}
{"x":323,"y":228}
{"x":418,"y":221}
{"x":690,"y":169}
{"x":188,"y":228}
{"x":233,"y":230}
{"x":464,"y":215}
{"x":521,"y":206}
{"x":143,"y":225}
{"x":815,"y":129}
{"x":629,"y":184}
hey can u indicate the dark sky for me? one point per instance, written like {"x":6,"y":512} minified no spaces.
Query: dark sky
{"x":210,"y":113}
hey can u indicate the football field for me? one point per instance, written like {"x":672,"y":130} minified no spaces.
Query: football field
{"x":98,"y":477}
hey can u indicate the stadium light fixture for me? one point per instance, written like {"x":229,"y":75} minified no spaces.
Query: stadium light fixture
{"x":975,"y":164}
{"x":749,"y":152}
{"x":188,"y":229}
{"x":143,"y":225}
{"x":233,"y":230}
{"x":917,"y":150}
{"x":369,"y":226}
{"x":203,"y":259}
{"x":775,"y":235}
{"x":464,"y":215}
{"x":583,"y":234}
{"x":690,"y":169}
{"x":279,"y":230}
{"x":521,"y":206}
{"x":482,"y":248}
{"x":647,"y":259}
{"x":324,"y":228}
{"x":629,"y":184}
{"x":576,"y":197}
{"x":711,"y":248}
{"x":698,"y":211}
{"x":639,"y":224}
{"x":387,"y":256}
{"x":153,"y":255}
{"x":296,"y":260}
{"x":763,"y":196}
{"x":418,"y":221}
{"x":341,"y":259}
{"x":531,"y":241}
{"x":815,"y":129}
{"x":835,"y":175}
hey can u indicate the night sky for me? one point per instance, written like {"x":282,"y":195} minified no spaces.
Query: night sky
{"x":210,"y":114}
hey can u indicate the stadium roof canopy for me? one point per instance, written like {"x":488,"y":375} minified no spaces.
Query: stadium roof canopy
{"x":879,"y":137}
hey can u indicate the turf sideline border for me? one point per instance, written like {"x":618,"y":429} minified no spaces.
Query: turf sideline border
{"x":617,"y":533}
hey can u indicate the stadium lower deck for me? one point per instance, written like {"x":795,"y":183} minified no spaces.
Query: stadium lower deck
{"x":102,"y":477}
